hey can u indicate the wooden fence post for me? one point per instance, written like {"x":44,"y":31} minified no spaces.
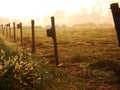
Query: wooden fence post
{"x":6,"y":30}
{"x":33,"y":36}
{"x":9,"y":29}
{"x":116,"y":16}
{"x":52,"y":33}
{"x":2,"y":29}
{"x":21,"y":34}
{"x":54,"y":40}
{"x":14,"y":32}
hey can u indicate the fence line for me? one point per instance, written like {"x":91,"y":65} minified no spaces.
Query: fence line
{"x":6,"y":30}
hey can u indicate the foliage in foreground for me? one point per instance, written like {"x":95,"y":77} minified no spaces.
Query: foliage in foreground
{"x":18,"y":71}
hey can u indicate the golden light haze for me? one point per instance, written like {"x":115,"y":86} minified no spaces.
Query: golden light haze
{"x":64,"y":10}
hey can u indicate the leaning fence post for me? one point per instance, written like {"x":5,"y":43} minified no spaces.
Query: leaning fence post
{"x":33,"y":36}
{"x":116,"y":16}
{"x":55,"y":40}
{"x":14,"y":31}
{"x":52,"y":33}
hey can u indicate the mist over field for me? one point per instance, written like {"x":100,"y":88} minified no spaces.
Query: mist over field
{"x":59,"y":45}
{"x":66,"y":12}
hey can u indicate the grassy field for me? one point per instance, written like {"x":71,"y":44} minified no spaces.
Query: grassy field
{"x":89,"y":53}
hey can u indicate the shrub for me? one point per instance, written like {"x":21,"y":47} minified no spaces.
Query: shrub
{"x":16,"y":71}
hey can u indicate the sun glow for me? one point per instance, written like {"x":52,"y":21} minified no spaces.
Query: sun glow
{"x":39,"y":8}
{"x":30,"y":9}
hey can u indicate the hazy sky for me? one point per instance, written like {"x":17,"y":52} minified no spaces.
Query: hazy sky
{"x":27,"y":9}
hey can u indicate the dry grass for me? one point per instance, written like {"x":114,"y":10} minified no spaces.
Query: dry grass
{"x":89,"y":42}
{"x":80,"y":47}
